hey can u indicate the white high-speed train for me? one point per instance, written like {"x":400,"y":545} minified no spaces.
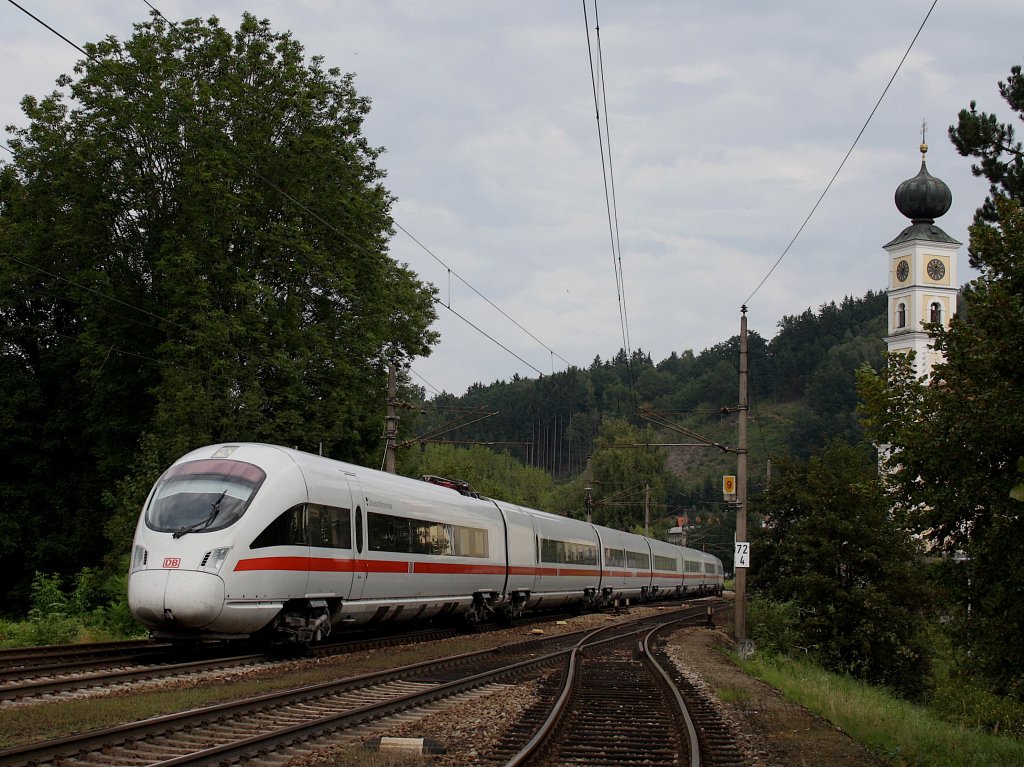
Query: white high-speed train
{"x":243,"y":540}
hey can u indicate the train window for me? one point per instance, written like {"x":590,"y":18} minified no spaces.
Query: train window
{"x":709,"y":568}
{"x":388,"y":533}
{"x":692,"y":566}
{"x":200,"y":496}
{"x":551,"y":551}
{"x":614,"y":558}
{"x":666,"y":563}
{"x":568,"y":552}
{"x":308,"y":524}
{"x":416,"y":536}
{"x":286,"y":530}
{"x":637,"y":561}
{"x":433,"y":538}
{"x":359,"y":529}
{"x":470,"y":542}
{"x":328,"y":526}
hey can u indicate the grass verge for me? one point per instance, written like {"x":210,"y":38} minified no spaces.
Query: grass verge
{"x":903,"y":734}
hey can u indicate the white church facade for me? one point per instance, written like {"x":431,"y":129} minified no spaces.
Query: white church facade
{"x":923,"y":284}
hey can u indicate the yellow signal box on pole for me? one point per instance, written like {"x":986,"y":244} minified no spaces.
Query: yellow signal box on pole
{"x":729,"y":487}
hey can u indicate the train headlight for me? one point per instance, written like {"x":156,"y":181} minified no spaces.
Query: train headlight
{"x":214,"y":560}
{"x":139,"y":558}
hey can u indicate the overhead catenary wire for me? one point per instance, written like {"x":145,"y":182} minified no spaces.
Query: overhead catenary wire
{"x":603,"y":140}
{"x":427,"y":383}
{"x":101,"y":63}
{"x":453,"y":273}
{"x":614,"y":213}
{"x":846,"y":157}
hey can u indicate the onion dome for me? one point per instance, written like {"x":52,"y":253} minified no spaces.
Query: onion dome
{"x":923,"y":199}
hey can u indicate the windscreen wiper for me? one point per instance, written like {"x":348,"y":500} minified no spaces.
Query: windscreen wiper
{"x":204,"y":523}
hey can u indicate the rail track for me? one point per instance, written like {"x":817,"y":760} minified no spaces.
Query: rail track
{"x":274,"y":726}
{"x":38,"y":674}
{"x":621,"y":703}
{"x":612,"y":711}
{"x":64,"y":653}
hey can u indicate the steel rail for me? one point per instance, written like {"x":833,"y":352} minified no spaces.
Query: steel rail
{"x":691,"y":729}
{"x":547,"y":729}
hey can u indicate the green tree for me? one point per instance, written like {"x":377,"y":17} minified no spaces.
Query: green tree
{"x":622,"y":469}
{"x":956,"y":440}
{"x":831,"y":548}
{"x":492,"y":474}
{"x":955,"y":445}
{"x":195,"y":249}
{"x":999,"y":153}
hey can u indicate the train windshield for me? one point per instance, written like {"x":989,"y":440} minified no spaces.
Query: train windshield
{"x":201,"y":496}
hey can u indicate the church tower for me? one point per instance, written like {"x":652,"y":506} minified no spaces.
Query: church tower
{"x":923,"y":283}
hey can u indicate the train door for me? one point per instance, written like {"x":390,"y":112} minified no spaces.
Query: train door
{"x":327,"y":522}
{"x":359,"y":541}
{"x":520,"y":554}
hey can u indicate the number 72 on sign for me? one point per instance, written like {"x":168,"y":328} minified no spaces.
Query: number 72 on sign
{"x":741,"y":554}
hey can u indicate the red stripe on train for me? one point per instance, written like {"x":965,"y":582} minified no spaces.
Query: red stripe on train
{"x":325,"y":565}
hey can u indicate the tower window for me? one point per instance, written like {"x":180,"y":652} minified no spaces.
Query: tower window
{"x":936,"y":312}
{"x":901,"y":315}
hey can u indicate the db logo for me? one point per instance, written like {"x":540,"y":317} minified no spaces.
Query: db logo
{"x":172,"y":562}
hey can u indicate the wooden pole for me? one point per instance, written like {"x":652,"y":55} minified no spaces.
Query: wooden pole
{"x":740,"y":611}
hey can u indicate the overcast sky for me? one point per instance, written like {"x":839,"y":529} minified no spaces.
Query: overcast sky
{"x":727,"y":120}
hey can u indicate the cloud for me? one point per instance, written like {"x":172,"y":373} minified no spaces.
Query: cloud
{"x":727,"y":120}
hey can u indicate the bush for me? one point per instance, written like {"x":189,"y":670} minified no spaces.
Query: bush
{"x":774,"y":625}
{"x":112,"y":619}
{"x":961,"y":700}
{"x":960,"y":697}
{"x":51,"y":620}
{"x":96,"y":609}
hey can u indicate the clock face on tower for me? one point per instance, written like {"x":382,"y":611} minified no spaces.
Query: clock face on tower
{"x":936,"y":269}
{"x":902,"y":271}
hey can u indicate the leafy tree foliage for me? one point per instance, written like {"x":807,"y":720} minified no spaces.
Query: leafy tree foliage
{"x":1000,"y":155}
{"x":492,"y":474}
{"x":194,"y":234}
{"x":955,"y":441}
{"x":831,"y":550}
{"x":623,"y":468}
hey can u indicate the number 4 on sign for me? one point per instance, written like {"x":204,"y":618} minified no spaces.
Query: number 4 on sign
{"x":741,"y":554}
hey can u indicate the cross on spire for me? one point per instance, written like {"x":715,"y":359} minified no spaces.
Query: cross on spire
{"x":924,"y":145}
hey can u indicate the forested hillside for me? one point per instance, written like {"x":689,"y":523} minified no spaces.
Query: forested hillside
{"x":802,"y":391}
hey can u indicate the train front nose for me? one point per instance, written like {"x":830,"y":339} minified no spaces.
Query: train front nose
{"x":181,"y":598}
